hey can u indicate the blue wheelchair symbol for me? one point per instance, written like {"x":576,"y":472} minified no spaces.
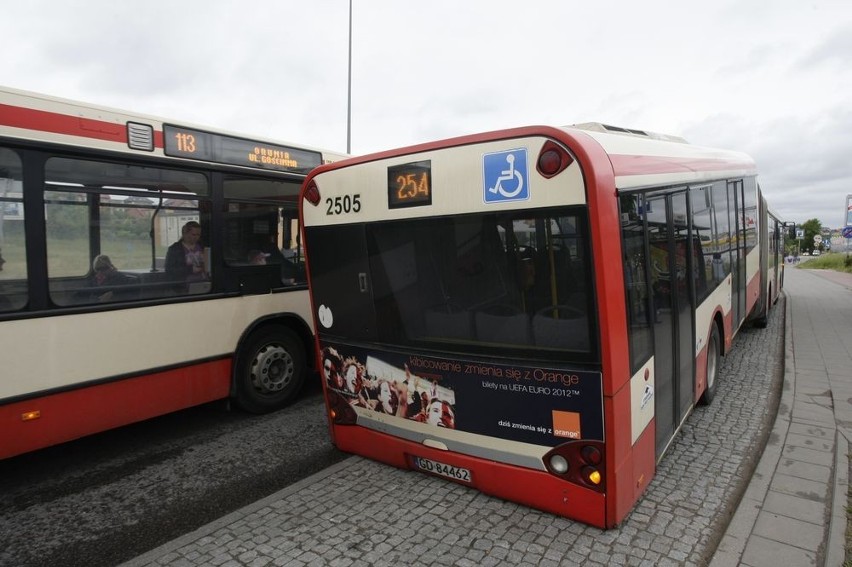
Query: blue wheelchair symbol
{"x":506,"y":176}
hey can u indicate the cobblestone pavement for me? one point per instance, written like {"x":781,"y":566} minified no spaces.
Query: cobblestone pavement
{"x":362,"y":513}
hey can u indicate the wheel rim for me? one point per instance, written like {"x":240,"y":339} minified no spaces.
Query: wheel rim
{"x":272,"y":369}
{"x":712,"y":360}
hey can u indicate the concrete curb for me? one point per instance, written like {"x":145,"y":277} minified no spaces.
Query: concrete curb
{"x":836,"y":548}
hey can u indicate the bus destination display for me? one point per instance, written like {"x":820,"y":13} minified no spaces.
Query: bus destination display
{"x":195,"y":144}
{"x":410,"y":185}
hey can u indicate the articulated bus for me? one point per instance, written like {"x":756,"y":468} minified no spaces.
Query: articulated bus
{"x":96,"y":330}
{"x":533,"y":312}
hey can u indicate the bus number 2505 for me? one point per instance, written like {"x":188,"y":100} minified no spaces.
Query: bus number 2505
{"x":343,"y":204}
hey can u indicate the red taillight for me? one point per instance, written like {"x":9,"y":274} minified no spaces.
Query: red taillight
{"x":580,"y":462}
{"x":591,"y":455}
{"x":312,"y":193}
{"x":552,"y":159}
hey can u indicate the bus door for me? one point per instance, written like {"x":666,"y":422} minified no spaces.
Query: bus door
{"x":669,"y":245}
{"x":738,"y":270}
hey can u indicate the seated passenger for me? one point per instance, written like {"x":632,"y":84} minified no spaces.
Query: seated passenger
{"x":289,"y":271}
{"x":262,"y":258}
{"x":257,"y":258}
{"x":105,"y":274}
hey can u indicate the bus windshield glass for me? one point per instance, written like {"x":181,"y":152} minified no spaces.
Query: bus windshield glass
{"x":478,"y":283}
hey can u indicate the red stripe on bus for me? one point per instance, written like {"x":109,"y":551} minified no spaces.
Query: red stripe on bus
{"x":77,"y":413}
{"x":44,"y":121}
{"x":646,"y":165}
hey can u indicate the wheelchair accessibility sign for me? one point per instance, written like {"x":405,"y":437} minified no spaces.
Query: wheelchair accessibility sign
{"x":506,"y":176}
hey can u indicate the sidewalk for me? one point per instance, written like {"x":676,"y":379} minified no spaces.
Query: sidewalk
{"x":794,"y":510}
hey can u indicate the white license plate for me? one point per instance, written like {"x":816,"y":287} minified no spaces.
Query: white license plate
{"x":434,"y":467}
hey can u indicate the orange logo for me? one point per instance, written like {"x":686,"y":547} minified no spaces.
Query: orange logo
{"x":566,"y":424}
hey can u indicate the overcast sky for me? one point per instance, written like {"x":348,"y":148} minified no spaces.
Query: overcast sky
{"x":770,"y":78}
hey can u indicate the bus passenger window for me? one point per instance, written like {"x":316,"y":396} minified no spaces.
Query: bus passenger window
{"x":96,"y":208}
{"x":256,"y":221}
{"x":13,"y":258}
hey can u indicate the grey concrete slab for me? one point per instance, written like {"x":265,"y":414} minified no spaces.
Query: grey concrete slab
{"x":812,"y":490}
{"x":807,"y":471}
{"x":812,"y":456}
{"x":792,"y":531}
{"x":816,"y":431}
{"x":809,"y":442}
{"x":762,"y":552}
{"x":795,"y":507}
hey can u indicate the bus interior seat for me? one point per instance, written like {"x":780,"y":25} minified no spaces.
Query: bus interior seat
{"x":448,"y":322}
{"x":194,"y":288}
{"x":13,"y":295}
{"x":561,"y":326}
{"x":154,"y":285}
{"x":502,"y":323}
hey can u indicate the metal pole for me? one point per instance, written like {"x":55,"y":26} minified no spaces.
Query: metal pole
{"x":349,"y":89}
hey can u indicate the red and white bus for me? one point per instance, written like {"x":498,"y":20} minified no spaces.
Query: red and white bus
{"x":532,"y":312}
{"x":95,"y":331}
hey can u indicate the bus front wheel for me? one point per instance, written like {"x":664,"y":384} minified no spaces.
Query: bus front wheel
{"x":270,"y":369}
{"x":713,"y":359}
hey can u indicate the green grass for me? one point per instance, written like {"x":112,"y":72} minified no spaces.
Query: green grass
{"x":838,"y":262}
{"x":71,"y":257}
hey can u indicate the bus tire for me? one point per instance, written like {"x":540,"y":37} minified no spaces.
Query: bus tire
{"x":714,"y":357}
{"x":270,"y":369}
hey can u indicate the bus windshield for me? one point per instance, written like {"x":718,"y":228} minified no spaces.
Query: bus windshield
{"x":475,"y":283}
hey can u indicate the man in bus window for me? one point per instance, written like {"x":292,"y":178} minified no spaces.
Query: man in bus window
{"x":185,"y":258}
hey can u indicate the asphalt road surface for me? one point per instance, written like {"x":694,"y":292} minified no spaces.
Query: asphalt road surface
{"x":107,"y":498}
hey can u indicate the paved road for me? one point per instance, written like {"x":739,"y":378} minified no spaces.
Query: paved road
{"x":110,"y":497}
{"x":360,"y":513}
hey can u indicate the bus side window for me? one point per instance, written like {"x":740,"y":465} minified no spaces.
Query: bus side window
{"x":95,"y":207}
{"x":13,"y":257}
{"x":256,"y":222}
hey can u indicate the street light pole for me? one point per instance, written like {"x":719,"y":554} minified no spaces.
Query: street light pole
{"x":349,"y":89}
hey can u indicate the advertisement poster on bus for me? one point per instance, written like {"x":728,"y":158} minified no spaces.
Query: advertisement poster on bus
{"x":530,"y":404}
